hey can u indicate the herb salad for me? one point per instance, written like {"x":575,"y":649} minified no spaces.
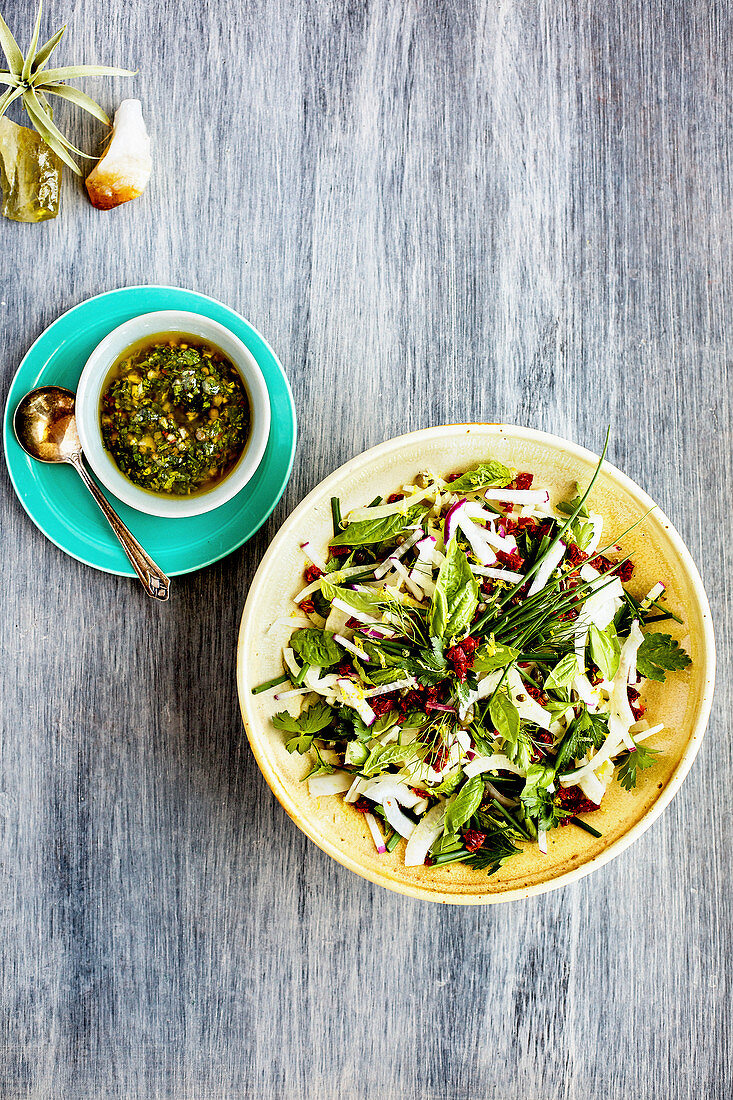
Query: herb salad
{"x":465,"y":666}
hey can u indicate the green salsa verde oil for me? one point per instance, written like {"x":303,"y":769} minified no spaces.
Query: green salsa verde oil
{"x":174,"y":414}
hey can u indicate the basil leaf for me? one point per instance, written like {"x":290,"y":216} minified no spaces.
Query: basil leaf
{"x":563,"y":673}
{"x":660,"y":653}
{"x":504,"y":716}
{"x":486,"y":661}
{"x":449,"y":782}
{"x":368,"y":531}
{"x":382,"y":755}
{"x":464,"y":805}
{"x":605,"y":651}
{"x":486,"y":474}
{"x":316,"y":647}
{"x":455,"y":598}
{"x":366,"y":600}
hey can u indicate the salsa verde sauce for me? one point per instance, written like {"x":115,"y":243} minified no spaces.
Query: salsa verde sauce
{"x":174,"y":414}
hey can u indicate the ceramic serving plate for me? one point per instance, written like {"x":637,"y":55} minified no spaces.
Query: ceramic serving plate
{"x":682,"y":703}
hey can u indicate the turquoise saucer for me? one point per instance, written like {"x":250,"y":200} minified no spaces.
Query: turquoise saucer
{"x":54,"y":497}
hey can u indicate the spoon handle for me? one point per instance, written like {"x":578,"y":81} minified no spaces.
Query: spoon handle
{"x":153,"y":580}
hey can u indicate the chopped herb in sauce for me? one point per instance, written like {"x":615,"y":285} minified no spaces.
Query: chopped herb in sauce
{"x":175,"y":415}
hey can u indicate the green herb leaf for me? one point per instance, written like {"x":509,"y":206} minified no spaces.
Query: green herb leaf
{"x":414,"y":720}
{"x":493,"y":853}
{"x":490,"y":657}
{"x":383,"y":755}
{"x":320,"y":767}
{"x":356,"y":753}
{"x":486,"y":474}
{"x":455,"y":598}
{"x":371,"y":602}
{"x":464,"y":804}
{"x":563,"y":673}
{"x":449,"y":782}
{"x":660,"y":653}
{"x":311,"y":721}
{"x":522,"y":751}
{"x":634,"y":762}
{"x":316,"y":647}
{"x":505,"y":717}
{"x":300,"y":743}
{"x":368,"y":531}
{"x":587,"y":731}
{"x":539,"y":805}
{"x":605,"y":650}
{"x":567,"y":507}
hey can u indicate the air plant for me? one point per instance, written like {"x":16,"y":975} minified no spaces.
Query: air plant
{"x":31,"y":82}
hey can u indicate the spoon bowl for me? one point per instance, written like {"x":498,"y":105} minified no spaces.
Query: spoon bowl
{"x":45,"y":424}
{"x":45,"y":427}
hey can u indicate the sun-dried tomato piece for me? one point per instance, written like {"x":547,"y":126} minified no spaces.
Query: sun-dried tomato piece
{"x":637,"y":709}
{"x":312,"y":573}
{"x":527,"y":523}
{"x":461,"y":656}
{"x":383,"y":704}
{"x":308,"y":606}
{"x":573,"y":799}
{"x":522,"y":481}
{"x":362,"y":806}
{"x":510,"y":560}
{"x":473,"y":839}
{"x":394,"y":497}
{"x":625,"y":572}
{"x":575,"y":555}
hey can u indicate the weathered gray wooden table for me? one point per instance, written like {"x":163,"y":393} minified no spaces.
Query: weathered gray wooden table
{"x":435,"y":212}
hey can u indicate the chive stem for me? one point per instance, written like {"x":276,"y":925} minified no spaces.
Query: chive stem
{"x":336,"y":515}
{"x":585,"y":826}
{"x":512,"y":820}
{"x":298,"y":680}
{"x":448,"y":857}
{"x":269,"y":684}
{"x":392,"y":842}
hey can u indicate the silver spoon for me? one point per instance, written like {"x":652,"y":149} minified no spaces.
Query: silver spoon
{"x":45,"y":427}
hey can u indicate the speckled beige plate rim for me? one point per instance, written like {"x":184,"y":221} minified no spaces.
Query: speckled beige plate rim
{"x":250,"y":629}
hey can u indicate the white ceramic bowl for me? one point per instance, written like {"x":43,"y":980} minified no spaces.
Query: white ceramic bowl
{"x":89,"y":392}
{"x":682,"y":703}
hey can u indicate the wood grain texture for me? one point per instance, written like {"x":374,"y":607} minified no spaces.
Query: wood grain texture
{"x":435,"y":211}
